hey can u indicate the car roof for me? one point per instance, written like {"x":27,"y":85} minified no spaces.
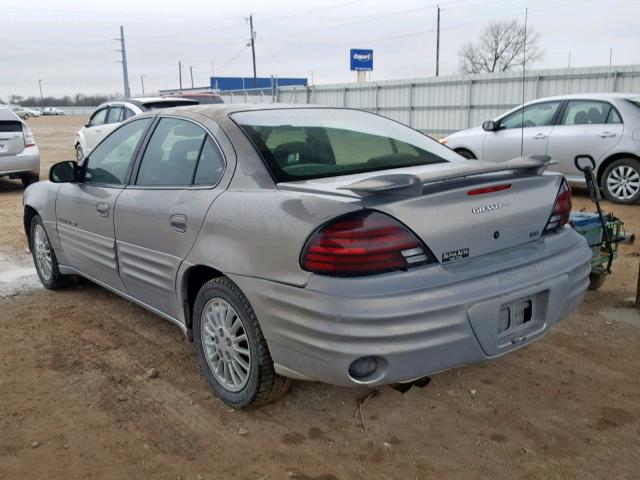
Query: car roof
{"x":7,"y":114}
{"x":586,"y":96}
{"x":217,"y":109}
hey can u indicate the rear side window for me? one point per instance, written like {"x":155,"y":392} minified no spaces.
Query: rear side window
{"x":109,"y":162}
{"x":587,"y":112}
{"x":307,"y":143}
{"x":116,"y":115}
{"x":128,"y":113}
{"x":210,"y":165}
{"x":172,"y":153}
{"x":99,"y":117}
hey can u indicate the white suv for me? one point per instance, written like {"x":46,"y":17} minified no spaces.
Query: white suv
{"x":111,"y":114}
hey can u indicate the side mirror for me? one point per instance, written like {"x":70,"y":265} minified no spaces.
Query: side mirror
{"x":64,"y":172}
{"x":87,"y":124}
{"x":489,"y":126}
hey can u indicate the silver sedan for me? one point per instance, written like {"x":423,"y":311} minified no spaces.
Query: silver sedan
{"x":604,"y":126}
{"x":318,"y":244}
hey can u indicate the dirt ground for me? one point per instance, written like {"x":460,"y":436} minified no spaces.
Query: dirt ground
{"x":75,"y":402}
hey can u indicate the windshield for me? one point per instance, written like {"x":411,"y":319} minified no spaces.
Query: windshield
{"x":308,"y":143}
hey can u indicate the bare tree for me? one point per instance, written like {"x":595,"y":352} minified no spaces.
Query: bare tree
{"x":500,"y":48}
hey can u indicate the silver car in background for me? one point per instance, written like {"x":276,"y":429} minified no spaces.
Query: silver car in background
{"x":319,"y":244}
{"x":19,"y":155}
{"x":604,"y":126}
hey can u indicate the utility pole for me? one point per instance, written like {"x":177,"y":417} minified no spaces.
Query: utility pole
{"x":180,"y":73}
{"x":191,"y":67}
{"x":569,"y":64}
{"x":125,"y":73}
{"x":438,"y":45}
{"x":40,"y":85}
{"x":142,"y":82}
{"x":253,"y":50}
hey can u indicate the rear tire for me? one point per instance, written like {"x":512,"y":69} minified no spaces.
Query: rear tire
{"x":232,"y":352}
{"x":466,"y":153}
{"x":44,"y":257}
{"x":620,"y":181}
{"x":29,"y":179}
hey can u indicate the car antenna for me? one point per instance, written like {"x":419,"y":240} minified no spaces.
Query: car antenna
{"x":524,"y":71}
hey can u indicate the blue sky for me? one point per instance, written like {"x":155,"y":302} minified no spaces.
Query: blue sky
{"x":70,"y":45}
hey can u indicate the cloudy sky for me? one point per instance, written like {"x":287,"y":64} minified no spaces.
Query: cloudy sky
{"x":70,"y":46}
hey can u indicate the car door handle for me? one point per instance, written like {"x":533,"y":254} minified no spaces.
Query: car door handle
{"x":607,"y":135}
{"x":178,"y":223}
{"x":539,"y":136}
{"x":102,"y":209}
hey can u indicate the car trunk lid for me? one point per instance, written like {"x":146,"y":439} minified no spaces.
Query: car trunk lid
{"x":458,"y":211}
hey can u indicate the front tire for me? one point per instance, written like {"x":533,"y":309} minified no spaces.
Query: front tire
{"x":79,"y":153}
{"x":44,"y":257}
{"x":621,"y":181}
{"x":232,"y":352}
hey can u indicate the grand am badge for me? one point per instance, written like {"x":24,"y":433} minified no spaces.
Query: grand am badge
{"x":488,"y":208}
{"x":455,"y":255}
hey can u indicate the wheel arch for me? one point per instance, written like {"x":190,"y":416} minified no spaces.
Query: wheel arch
{"x":29,"y":213}
{"x":190,"y":284}
{"x":609,"y":160}
{"x":458,"y":150}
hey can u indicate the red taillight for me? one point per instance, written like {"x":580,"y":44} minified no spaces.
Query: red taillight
{"x":561,"y":208}
{"x":28,"y":136}
{"x":363,"y":243}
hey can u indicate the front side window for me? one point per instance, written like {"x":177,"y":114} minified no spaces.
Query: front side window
{"x":172,"y":153}
{"x":307,"y":143}
{"x":99,"y":118}
{"x":589,"y":112}
{"x":536,"y":115}
{"x":109,"y":162}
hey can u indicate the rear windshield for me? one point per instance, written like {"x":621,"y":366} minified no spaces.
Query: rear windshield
{"x":635,"y":101}
{"x":168,"y":104}
{"x":10,"y":126}
{"x":205,"y":99}
{"x":308,"y":143}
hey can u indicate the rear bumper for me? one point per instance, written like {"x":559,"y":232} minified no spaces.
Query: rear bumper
{"x":27,"y":161}
{"x":418,"y":322}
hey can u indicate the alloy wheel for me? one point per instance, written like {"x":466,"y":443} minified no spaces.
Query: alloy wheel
{"x":43,"y":252}
{"x":623,"y":182}
{"x":225,"y":344}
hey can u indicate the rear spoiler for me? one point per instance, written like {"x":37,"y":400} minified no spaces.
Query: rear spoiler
{"x":410,"y":184}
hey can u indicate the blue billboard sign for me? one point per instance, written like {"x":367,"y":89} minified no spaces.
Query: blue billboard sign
{"x":361,"y":60}
{"x":246,"y":83}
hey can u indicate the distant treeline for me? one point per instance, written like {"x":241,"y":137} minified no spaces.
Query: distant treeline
{"x":78,"y":100}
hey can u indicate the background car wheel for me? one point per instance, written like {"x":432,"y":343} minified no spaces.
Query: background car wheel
{"x":621,"y":181}
{"x":79,"y":153}
{"x":596,"y":280}
{"x":231,"y":349}
{"x":466,"y":153}
{"x":29,"y":179}
{"x":44,"y":257}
